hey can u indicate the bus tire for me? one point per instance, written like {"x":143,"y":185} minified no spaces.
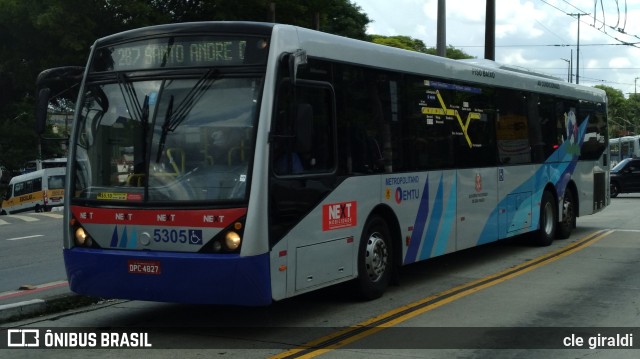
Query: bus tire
{"x":38,"y":208}
{"x":375,"y":259}
{"x":568,"y":222}
{"x":548,"y":220}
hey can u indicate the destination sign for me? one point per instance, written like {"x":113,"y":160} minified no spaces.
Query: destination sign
{"x":181,"y":52}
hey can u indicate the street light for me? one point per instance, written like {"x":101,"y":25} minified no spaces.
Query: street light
{"x":569,"y":69}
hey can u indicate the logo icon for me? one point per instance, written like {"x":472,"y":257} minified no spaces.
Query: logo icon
{"x":478,"y":182}
{"x":23,"y":338}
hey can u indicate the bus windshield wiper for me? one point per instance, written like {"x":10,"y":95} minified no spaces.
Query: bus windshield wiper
{"x":173,"y":119}
{"x":165,"y":129}
{"x":130,"y":97}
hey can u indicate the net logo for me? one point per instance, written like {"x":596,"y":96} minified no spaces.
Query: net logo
{"x":23,"y":338}
{"x":339,"y":215}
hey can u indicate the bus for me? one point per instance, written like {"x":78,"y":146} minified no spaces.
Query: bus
{"x":39,"y":191}
{"x":624,"y":147}
{"x":244,"y":163}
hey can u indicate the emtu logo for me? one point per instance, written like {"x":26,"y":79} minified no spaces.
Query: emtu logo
{"x":124,"y":241}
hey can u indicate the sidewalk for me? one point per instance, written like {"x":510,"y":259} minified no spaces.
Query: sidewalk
{"x":37,"y":300}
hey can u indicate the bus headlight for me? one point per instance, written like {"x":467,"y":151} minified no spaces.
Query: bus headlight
{"x":232,"y":240}
{"x":82,"y":238}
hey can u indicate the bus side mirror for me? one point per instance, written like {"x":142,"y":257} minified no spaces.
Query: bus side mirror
{"x":297,"y":60}
{"x":42,"y":106}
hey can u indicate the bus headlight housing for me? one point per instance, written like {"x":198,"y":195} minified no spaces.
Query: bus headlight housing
{"x":229,"y":240}
{"x":82,"y":238}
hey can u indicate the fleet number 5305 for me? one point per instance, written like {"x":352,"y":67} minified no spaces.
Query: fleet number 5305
{"x":170,"y":235}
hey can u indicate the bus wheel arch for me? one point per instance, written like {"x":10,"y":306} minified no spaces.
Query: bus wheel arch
{"x":569,"y":210}
{"x":378,"y":252}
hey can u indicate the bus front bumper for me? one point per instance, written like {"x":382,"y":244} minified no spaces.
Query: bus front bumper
{"x":169,"y":277}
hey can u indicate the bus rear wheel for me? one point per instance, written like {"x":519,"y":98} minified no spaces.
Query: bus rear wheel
{"x":568,"y":222}
{"x":375,"y":260}
{"x":548,"y":220}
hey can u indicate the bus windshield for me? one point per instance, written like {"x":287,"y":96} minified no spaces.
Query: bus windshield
{"x":166,"y":139}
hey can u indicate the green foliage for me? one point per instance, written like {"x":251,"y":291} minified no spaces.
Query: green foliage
{"x":40,"y":34}
{"x":409,"y":43}
{"x":401,"y":42}
{"x":623,"y":113}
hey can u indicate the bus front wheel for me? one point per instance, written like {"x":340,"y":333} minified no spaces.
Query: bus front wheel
{"x":375,"y":261}
{"x":548,"y":220}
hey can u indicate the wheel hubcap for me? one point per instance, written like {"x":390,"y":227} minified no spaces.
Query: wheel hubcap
{"x":377,"y":256}
{"x":567,"y":215}
{"x":547,"y":219}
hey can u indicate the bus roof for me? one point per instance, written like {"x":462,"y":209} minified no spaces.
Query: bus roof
{"x":343,"y":49}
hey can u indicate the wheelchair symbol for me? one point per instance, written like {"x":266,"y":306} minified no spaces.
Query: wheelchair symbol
{"x":195,"y":236}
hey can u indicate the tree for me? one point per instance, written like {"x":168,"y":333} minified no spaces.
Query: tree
{"x":40,"y":34}
{"x":409,"y":43}
{"x":622,"y":113}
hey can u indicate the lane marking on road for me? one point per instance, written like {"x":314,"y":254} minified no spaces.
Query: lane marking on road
{"x":27,"y":237}
{"x":2,"y":221}
{"x":24,"y":218}
{"x":396,"y":316}
{"x":49,"y":214}
{"x":39,"y":288}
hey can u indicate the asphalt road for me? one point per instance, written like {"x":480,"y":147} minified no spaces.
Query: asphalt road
{"x":30,"y":250}
{"x":502,"y":300}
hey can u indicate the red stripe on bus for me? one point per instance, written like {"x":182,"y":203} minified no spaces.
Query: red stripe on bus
{"x":214,"y":218}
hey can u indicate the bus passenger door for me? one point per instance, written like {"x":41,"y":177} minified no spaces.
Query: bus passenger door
{"x":303,"y":172}
{"x":515,"y":201}
{"x":477,"y":201}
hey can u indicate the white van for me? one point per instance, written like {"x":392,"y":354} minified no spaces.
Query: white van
{"x":39,"y":190}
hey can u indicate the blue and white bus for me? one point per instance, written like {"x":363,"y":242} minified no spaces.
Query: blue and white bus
{"x":244,"y":163}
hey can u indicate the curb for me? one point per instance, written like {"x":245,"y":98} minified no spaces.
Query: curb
{"x":35,"y":307}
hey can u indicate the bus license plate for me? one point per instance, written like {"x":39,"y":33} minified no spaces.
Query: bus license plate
{"x":144,"y":267}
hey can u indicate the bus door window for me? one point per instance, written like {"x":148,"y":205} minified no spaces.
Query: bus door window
{"x":304,"y":132}
{"x":303,"y":155}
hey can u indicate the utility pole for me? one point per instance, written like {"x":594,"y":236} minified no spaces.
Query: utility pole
{"x":569,"y":69}
{"x":578,"y":54}
{"x":635,"y":86}
{"x":490,"y":31}
{"x":441,"y":46}
{"x":272,"y":12}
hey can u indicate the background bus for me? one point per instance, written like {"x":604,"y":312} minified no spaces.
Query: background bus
{"x":624,"y":147}
{"x":241,"y":163}
{"x":39,"y":191}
